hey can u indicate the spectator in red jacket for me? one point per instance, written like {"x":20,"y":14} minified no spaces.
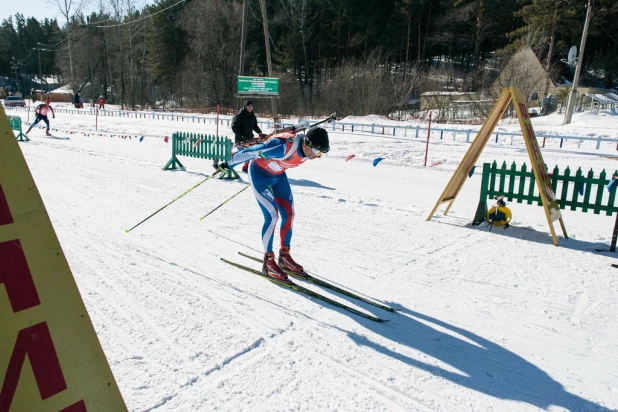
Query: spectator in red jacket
{"x":101,"y":102}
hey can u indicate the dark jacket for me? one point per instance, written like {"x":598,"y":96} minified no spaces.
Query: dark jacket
{"x":243,"y":125}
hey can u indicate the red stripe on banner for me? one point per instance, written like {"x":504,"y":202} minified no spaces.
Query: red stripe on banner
{"x":5,"y":213}
{"x":36,"y":343}
{"x":16,"y":277}
{"x":76,"y":407}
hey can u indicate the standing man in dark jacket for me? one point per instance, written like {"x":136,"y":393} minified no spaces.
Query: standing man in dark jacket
{"x":244,"y":124}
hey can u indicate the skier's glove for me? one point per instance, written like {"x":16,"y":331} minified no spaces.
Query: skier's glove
{"x":223,"y":167}
{"x":53,"y":116}
{"x":261,"y":136}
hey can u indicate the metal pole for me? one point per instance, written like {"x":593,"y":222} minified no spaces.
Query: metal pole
{"x":243,"y":39}
{"x":578,"y":67}
{"x":40,"y":72}
{"x":217,"y":120}
{"x":268,"y":57}
{"x":428,"y":134}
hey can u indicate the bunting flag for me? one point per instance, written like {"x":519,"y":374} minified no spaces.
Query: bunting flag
{"x":349,"y":157}
{"x":472,"y":171}
{"x":72,"y":132}
{"x":166,"y":139}
{"x":376,"y":161}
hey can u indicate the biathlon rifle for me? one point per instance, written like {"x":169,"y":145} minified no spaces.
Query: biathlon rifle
{"x":295,"y":128}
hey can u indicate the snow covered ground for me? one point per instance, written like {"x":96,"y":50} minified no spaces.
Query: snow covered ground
{"x":489,"y":321}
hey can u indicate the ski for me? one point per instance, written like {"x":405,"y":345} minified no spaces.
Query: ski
{"x":327,"y":285}
{"x":293,"y":286}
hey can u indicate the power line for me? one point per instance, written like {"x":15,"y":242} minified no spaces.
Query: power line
{"x":142,"y":18}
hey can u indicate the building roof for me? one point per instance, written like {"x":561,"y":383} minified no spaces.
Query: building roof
{"x":66,"y":89}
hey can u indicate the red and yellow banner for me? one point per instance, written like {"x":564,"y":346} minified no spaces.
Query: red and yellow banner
{"x":50,"y":357}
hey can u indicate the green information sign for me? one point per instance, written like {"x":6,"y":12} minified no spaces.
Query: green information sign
{"x":258,"y":86}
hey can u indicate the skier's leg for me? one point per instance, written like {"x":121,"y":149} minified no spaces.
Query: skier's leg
{"x":38,"y":119}
{"x":46,"y":120}
{"x":260,"y":184}
{"x":285,"y":205}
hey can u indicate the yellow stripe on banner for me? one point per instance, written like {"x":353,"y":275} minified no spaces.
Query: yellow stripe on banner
{"x":50,"y":356}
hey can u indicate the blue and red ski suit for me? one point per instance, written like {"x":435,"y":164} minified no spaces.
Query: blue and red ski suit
{"x":269,"y":182}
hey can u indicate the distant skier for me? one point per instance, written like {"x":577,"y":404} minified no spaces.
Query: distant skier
{"x":268,"y":163}
{"x":101,"y":102}
{"x":244,"y":123}
{"x":41,"y":114}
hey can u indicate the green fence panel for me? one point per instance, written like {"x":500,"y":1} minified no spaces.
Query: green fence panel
{"x":15,"y":122}
{"x":202,"y":147}
{"x":577,"y":192}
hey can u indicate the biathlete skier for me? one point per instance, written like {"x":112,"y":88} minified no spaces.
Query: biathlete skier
{"x":268,"y":163}
{"x":41,"y":114}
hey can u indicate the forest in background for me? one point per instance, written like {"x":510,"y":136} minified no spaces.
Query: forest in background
{"x":352,"y":57}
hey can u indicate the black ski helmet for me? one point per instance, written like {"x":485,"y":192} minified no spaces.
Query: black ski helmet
{"x":317,"y":138}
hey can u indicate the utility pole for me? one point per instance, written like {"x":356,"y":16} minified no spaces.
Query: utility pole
{"x":578,"y":67}
{"x":14,"y":67}
{"x":40,"y":74}
{"x":243,"y":39}
{"x":268,"y":59}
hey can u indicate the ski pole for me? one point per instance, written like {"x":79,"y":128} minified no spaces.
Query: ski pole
{"x":209,"y":177}
{"x":224,"y":202}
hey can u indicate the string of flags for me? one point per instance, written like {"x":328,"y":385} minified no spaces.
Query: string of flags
{"x":72,"y":132}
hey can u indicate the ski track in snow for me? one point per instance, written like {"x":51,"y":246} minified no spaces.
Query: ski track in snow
{"x":489,"y":321}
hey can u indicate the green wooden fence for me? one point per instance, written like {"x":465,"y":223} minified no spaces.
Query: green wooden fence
{"x":576,"y":192}
{"x":203,"y":147}
{"x":15,"y":122}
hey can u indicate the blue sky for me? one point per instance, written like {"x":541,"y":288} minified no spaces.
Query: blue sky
{"x":29,"y":8}
{"x":38,"y":8}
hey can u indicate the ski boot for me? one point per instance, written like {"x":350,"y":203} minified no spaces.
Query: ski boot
{"x":286,"y":262}
{"x":47,"y":133}
{"x":272,"y":270}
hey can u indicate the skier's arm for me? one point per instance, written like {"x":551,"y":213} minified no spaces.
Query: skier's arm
{"x":52,"y":110}
{"x":272,"y":148}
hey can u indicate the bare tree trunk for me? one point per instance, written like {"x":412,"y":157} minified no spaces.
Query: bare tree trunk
{"x":408,"y":38}
{"x":426,"y":29}
{"x":479,"y":30}
{"x":551,"y":49}
{"x":70,"y":59}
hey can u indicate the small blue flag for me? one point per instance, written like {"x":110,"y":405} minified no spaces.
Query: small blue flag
{"x":378,"y":160}
{"x":612,"y":185}
{"x":472,"y":171}
{"x":141,"y":138}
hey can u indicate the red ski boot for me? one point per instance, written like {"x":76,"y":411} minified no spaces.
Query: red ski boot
{"x":286,"y":262}
{"x":272,"y":270}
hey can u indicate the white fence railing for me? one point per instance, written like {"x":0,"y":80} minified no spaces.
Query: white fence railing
{"x":372,"y":128}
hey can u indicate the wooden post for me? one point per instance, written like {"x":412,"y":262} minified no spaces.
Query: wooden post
{"x":428,"y":133}
{"x":217,"y":120}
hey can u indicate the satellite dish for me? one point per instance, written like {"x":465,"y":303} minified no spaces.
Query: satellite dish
{"x":572,"y":55}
